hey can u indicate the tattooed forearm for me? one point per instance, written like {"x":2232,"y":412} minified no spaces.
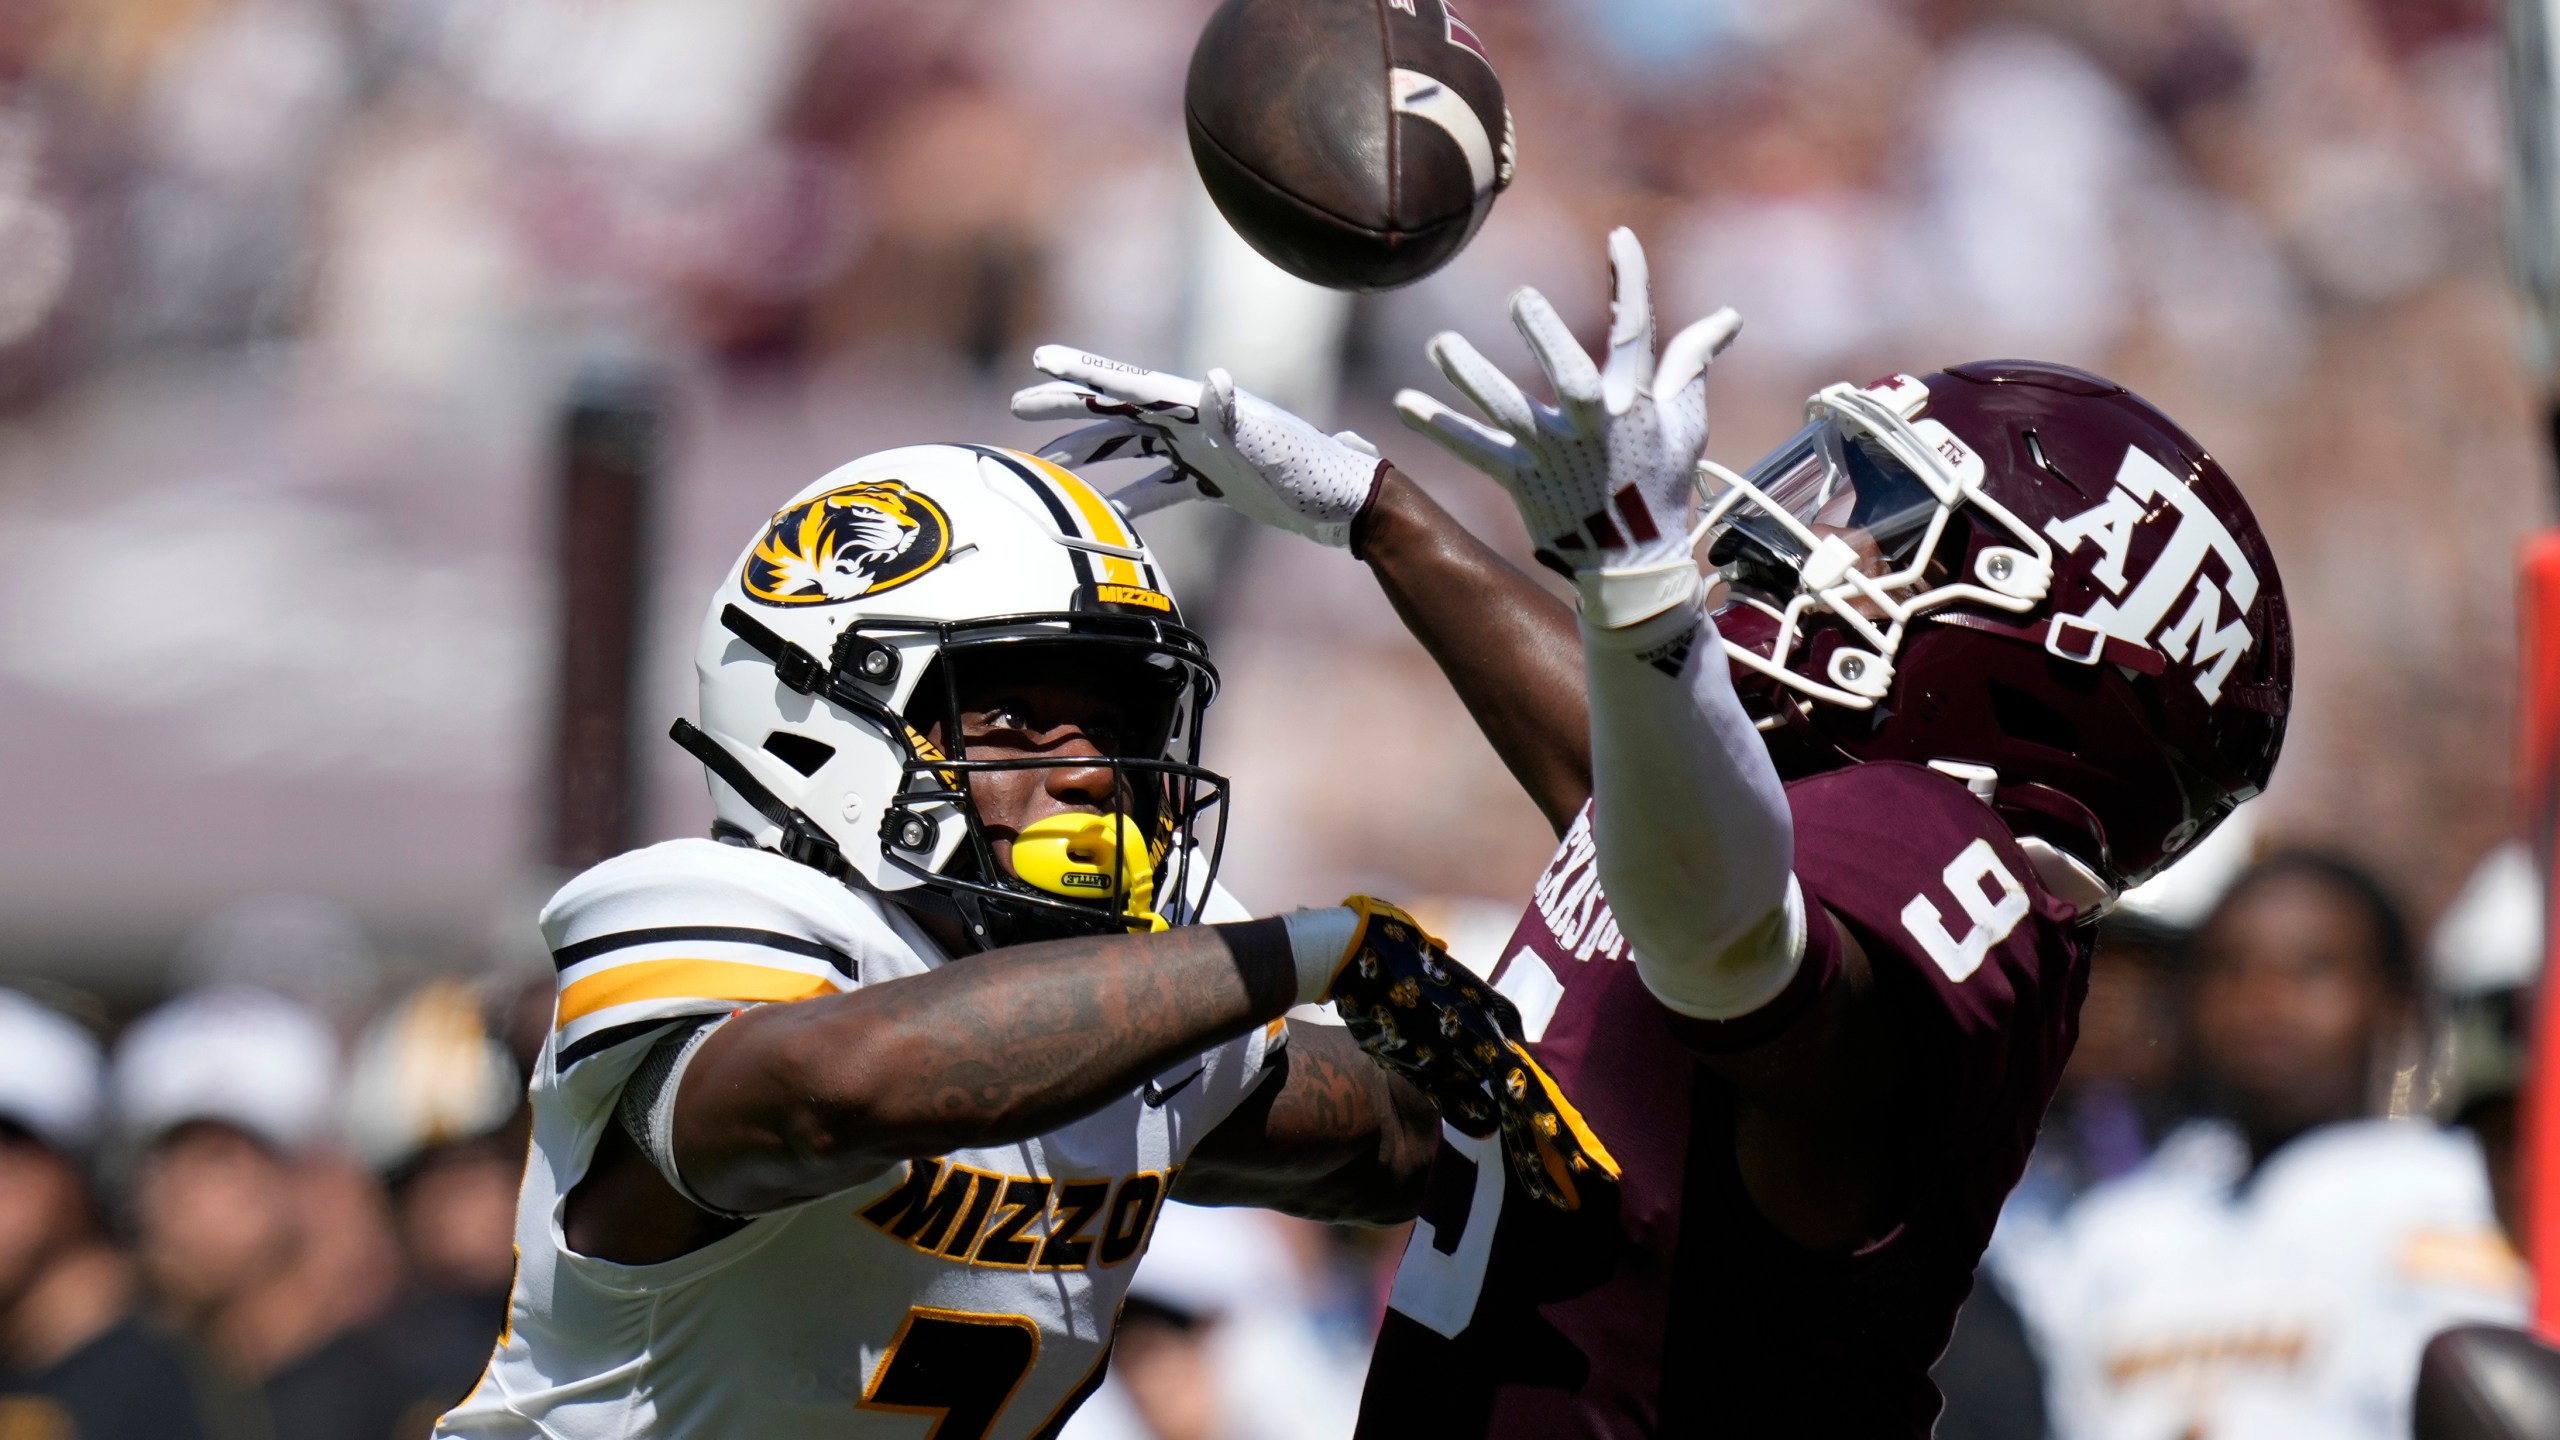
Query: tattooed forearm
{"x":791,"y":1101}
{"x":1330,"y":1137}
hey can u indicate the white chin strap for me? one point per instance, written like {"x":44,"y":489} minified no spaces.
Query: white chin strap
{"x":2067,"y":880}
{"x":2062,"y":873}
{"x":1878,"y":609}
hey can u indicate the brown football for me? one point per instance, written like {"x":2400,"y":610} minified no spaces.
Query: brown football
{"x":1355,"y":143}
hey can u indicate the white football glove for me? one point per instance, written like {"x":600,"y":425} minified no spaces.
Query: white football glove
{"x":1603,"y":477}
{"x":1221,"y":442}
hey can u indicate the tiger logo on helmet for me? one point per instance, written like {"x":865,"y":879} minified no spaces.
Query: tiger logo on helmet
{"x":853,"y":541}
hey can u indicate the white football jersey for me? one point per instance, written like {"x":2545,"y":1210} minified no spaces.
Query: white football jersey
{"x":968,"y":1295}
{"x":2188,"y":1301}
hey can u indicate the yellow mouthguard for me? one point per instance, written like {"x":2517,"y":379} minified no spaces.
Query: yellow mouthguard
{"x":1073,"y":855}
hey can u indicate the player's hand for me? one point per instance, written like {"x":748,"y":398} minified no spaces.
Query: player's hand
{"x":1220,"y":442}
{"x":1422,"y":1015}
{"x":1603,"y":477}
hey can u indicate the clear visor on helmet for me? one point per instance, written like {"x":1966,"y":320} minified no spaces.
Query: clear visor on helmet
{"x":1832,"y":479}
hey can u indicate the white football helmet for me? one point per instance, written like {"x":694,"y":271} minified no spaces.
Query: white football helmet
{"x":832,"y":648}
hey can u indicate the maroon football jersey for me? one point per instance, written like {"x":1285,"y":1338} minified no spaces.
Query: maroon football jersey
{"x":1672,"y":1307}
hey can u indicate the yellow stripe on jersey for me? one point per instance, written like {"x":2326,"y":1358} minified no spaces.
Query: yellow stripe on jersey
{"x":1099,"y":518}
{"x":686,"y":980}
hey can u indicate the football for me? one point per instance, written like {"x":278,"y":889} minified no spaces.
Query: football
{"x":1354,"y":143}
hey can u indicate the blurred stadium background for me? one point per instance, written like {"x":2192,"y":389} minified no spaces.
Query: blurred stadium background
{"x":301,"y":301}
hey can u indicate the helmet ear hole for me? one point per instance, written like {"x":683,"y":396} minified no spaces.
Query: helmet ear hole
{"x":800,"y":752}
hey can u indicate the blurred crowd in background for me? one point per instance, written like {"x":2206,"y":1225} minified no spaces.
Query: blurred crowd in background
{"x":2282,"y":1158}
{"x":293,"y":294}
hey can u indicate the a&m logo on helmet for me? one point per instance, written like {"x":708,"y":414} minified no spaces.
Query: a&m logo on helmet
{"x":2198,"y":638}
{"x":853,"y":541}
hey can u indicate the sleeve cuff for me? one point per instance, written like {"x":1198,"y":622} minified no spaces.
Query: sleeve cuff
{"x":1814,"y":974}
{"x":1619,"y":599}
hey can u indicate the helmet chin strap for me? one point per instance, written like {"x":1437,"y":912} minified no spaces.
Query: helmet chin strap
{"x":802,"y":840}
{"x":2067,"y":879}
{"x":2065,"y":876}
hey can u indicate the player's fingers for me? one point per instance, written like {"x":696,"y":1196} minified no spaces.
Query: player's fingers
{"x":1529,"y":1160}
{"x":1574,"y":1131}
{"x":1482,"y":382}
{"x":1063,"y":400}
{"x":1630,"y":323}
{"x":1479,"y":445}
{"x":1561,"y":1148}
{"x":1218,"y":405}
{"x":1148,"y":389}
{"x":1114,"y":439}
{"x":1165,"y":487}
{"x":1569,"y":370}
{"x":1686,"y":357}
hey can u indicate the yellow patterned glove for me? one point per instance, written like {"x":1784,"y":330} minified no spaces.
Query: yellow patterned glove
{"x":1422,"y":1015}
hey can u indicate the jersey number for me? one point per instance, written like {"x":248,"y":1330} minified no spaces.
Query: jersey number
{"x":1992,"y":899}
{"x":1442,"y":1274}
{"x":957,"y":1366}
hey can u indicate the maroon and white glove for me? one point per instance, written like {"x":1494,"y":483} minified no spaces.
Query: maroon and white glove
{"x":1605,"y":477}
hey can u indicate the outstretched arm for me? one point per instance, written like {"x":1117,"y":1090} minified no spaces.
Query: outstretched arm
{"x":1695,"y":842}
{"x":1507,"y":645}
{"x":788,"y":1102}
{"x":785,"y":1103}
{"x":1329,"y":1136}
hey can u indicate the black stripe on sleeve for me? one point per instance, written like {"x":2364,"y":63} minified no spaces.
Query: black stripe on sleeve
{"x":568,"y":955}
{"x":613,"y":1035}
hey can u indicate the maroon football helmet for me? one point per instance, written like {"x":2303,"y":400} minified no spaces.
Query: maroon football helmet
{"x":2023,"y":575}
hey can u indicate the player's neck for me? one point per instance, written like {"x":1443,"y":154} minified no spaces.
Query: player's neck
{"x":944,"y":930}
{"x":79,"y":1295}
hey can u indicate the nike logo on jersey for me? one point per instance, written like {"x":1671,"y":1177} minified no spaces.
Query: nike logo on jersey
{"x":980,"y":1218}
{"x":1155,"y":1095}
